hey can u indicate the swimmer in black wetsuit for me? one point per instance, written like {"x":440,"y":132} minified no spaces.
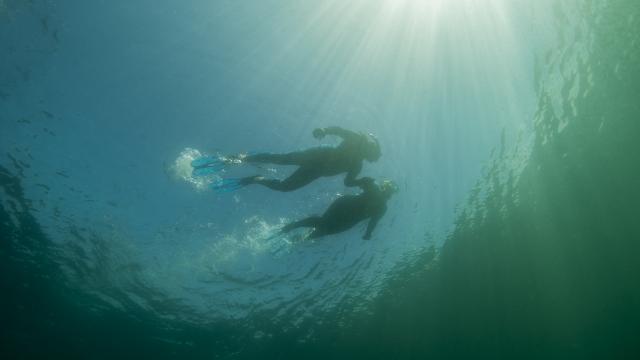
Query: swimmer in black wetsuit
{"x":346,"y":211}
{"x":317,"y":162}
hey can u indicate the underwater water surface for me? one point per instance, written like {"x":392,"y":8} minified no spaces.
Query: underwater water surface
{"x":509,"y":126}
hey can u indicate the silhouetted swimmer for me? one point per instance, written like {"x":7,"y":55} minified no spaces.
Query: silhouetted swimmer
{"x":316,"y":162}
{"x":346,"y":211}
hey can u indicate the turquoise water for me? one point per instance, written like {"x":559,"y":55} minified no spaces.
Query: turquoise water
{"x":510,"y":127}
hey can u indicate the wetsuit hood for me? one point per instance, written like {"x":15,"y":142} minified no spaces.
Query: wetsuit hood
{"x":389,"y":187}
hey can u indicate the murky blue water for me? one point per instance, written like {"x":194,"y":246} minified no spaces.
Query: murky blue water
{"x":509,"y":126}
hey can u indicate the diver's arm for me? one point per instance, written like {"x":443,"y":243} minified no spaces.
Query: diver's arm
{"x":372,"y":224}
{"x":345,"y":134}
{"x":350,"y":180}
{"x":367,"y":184}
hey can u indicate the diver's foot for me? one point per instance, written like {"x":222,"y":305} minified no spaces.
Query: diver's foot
{"x":235,"y":159}
{"x":251,"y":180}
{"x":288,"y":227}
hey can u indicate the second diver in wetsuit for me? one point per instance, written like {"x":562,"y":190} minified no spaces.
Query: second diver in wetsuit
{"x":314,"y":163}
{"x":346,"y":211}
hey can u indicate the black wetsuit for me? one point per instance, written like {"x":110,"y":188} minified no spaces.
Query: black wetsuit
{"x":315,"y":162}
{"x":346,"y":211}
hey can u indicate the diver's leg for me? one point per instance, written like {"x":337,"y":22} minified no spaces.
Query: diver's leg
{"x":301,"y":177}
{"x":278,"y":159}
{"x":312,"y":221}
{"x":292,"y":158}
{"x":266,"y":158}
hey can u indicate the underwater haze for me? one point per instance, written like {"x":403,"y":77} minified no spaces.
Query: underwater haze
{"x":509,"y":126}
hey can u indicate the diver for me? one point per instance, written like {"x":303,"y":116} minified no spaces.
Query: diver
{"x":312,"y":163}
{"x":348,"y":210}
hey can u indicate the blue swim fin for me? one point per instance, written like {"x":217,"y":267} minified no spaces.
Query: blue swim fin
{"x":207,"y":165}
{"x":208,"y":170}
{"x":228,"y":185}
{"x":206,"y":160}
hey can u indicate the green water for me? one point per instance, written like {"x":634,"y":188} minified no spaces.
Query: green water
{"x":543,"y":261}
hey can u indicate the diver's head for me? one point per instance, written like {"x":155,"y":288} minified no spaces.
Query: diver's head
{"x":389,"y":188}
{"x":371,"y":148}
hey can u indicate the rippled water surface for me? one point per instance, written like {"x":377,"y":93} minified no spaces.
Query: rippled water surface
{"x":510,"y":127}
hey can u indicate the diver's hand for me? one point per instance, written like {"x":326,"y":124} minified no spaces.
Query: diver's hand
{"x":318,"y":133}
{"x":366,"y":237}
